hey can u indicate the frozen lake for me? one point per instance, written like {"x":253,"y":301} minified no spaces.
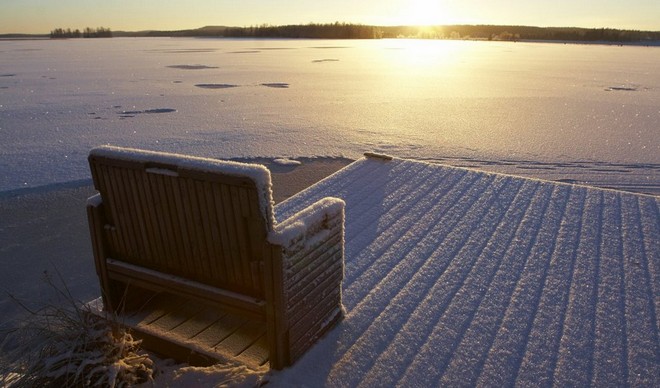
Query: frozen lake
{"x":585,"y":113}
{"x":575,"y":113}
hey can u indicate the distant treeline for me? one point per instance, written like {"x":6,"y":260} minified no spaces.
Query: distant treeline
{"x":359,"y":31}
{"x":308,"y":31}
{"x":100,"y":32}
{"x":493,"y":32}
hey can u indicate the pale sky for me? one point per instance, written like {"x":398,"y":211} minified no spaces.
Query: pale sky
{"x":41,"y":16}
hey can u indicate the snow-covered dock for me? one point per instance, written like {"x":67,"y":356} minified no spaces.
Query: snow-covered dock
{"x":459,"y":277}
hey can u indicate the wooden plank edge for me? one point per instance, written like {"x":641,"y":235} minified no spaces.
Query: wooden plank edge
{"x":170,"y":347}
{"x":157,"y":280}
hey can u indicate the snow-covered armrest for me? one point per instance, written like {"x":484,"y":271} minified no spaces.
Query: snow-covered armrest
{"x":312,"y":244}
{"x":295,"y":232}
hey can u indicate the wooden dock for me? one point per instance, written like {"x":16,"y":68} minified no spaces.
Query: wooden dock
{"x":457,"y":277}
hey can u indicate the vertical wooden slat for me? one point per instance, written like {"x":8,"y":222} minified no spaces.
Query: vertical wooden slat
{"x":256,"y":234}
{"x":150,"y":214}
{"x":128,"y":221}
{"x":241,"y":229}
{"x":263,"y":223}
{"x":160,"y":226}
{"x":206,"y":216}
{"x":95,"y":220}
{"x":275,"y":324}
{"x":145,"y":246}
{"x":245,"y":205}
{"x":115,"y":206}
{"x":167,"y":226}
{"x":194,"y":254}
{"x":175,"y":244}
{"x":182,"y":229}
{"x":202,"y":260}
{"x":225,"y":238}
{"x":235,"y":257}
{"x":253,"y":202}
{"x":217,"y":243}
{"x":109,"y":212}
{"x":159,"y":220}
{"x":259,"y":232}
{"x":253,"y":238}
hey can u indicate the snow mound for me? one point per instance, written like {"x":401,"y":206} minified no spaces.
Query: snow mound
{"x":287,"y":162}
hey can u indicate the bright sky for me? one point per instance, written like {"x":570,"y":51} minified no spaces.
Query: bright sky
{"x":41,"y":16}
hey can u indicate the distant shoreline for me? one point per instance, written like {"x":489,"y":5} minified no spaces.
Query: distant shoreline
{"x":10,"y":37}
{"x":654,"y":43}
{"x":342,"y":31}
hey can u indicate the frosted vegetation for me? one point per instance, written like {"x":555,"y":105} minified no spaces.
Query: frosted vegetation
{"x":63,"y":345}
{"x":571,"y":112}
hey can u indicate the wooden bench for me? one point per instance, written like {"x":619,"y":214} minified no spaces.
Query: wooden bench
{"x":203,"y":230}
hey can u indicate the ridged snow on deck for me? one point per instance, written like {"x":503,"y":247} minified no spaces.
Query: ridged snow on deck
{"x":461,"y":278}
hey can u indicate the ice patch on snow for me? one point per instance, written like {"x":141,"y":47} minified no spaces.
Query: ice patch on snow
{"x":148,"y":111}
{"x":216,"y":86}
{"x":329,"y":47}
{"x":277,"y":85}
{"x":184,"y":51}
{"x":325,"y":60}
{"x":624,"y":88}
{"x":192,"y":67}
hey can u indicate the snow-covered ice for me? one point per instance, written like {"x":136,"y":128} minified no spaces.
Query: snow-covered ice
{"x":452,"y":276}
{"x":580,"y":112}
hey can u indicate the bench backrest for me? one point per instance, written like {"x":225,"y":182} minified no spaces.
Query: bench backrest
{"x":201,"y":219}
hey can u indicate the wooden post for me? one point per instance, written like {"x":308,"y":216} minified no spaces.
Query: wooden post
{"x":275,"y":307}
{"x":95,"y":221}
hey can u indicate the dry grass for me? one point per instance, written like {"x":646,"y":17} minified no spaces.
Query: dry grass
{"x":64,"y":345}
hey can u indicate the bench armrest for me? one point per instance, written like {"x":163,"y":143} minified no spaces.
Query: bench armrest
{"x":312,"y":244}
{"x":293,"y":233}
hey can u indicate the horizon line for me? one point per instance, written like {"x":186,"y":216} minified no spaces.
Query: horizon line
{"x":347,"y":23}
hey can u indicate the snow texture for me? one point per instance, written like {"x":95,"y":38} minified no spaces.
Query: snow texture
{"x":257,"y":173}
{"x":456,"y":277}
{"x":292,"y":231}
{"x":225,"y":375}
{"x":534,"y":109}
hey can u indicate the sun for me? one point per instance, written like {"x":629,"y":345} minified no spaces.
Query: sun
{"x":423,"y":13}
